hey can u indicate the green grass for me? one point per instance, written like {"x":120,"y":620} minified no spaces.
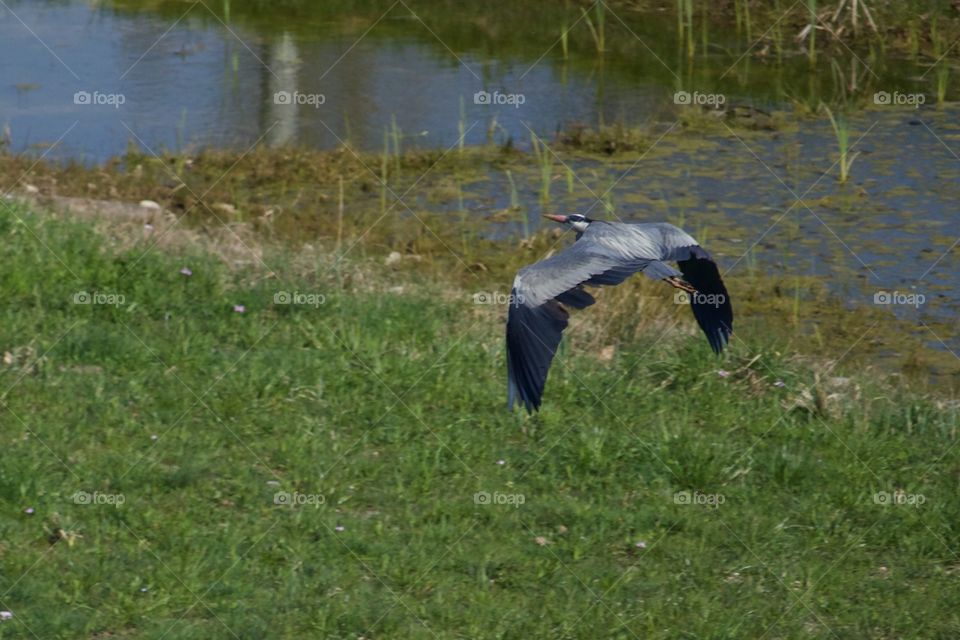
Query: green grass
{"x":391,"y":406}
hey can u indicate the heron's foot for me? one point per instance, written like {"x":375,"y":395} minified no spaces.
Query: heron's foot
{"x":676,"y":282}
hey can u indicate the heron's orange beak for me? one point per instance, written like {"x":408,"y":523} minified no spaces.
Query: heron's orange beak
{"x":555,"y":217}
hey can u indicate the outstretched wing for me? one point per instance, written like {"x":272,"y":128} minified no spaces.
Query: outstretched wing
{"x":604,"y":254}
{"x":537,"y":318}
{"x":711,"y":303}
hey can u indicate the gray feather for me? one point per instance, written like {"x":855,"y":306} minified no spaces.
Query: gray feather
{"x":606,"y":253}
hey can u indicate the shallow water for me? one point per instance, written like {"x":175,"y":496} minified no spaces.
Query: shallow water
{"x":208,"y":75}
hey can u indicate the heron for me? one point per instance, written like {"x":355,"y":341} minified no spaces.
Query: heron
{"x":604,"y":254}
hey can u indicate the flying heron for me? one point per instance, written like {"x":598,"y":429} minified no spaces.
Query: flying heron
{"x":605,"y":253}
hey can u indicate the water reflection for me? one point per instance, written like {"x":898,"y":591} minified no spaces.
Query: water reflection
{"x":195,"y":77}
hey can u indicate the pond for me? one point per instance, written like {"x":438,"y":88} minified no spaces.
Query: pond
{"x":83,"y":81}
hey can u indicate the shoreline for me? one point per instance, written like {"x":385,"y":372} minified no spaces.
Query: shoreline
{"x":456,"y":255}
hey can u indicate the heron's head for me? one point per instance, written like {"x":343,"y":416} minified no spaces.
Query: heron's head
{"x":576,"y":221}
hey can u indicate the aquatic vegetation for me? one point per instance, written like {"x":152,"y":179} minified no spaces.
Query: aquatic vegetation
{"x":396,"y":137}
{"x":777,"y":33}
{"x":685,"y":26}
{"x":607,"y":140}
{"x":565,"y":41}
{"x":853,"y":10}
{"x":516,"y":206}
{"x":942,"y":77}
{"x":810,"y":32}
{"x":741,"y":10}
{"x":462,"y":127}
{"x":544,"y":159}
{"x":841,"y":131}
{"x":942,"y":73}
{"x":384,"y":171}
{"x":597,"y":25}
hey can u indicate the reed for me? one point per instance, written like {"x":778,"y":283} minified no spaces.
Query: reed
{"x":608,"y":204}
{"x":515,"y":205}
{"x":937,"y":41}
{"x":339,"y":212}
{"x":685,"y":26}
{"x":464,"y":227}
{"x":943,"y":75}
{"x":396,"y":135}
{"x":841,"y":129}
{"x":544,"y":160}
{"x":777,"y":33}
{"x":796,"y":302}
{"x":741,"y":9}
{"x":598,"y":27}
{"x":462,"y":126}
{"x":181,"y":127}
{"x":492,"y":129}
{"x":384,"y":169}
{"x":750,"y":259}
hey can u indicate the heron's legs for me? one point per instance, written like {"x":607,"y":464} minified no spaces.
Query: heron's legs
{"x":674,"y":281}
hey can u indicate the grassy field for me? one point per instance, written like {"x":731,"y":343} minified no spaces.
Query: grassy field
{"x":333,"y":458}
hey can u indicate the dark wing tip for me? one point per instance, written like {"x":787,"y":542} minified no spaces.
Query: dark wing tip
{"x":711,"y":304}
{"x":533,"y":334}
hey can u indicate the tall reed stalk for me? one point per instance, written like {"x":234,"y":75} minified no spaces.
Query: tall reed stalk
{"x":598,"y":28}
{"x":515,"y":205}
{"x":545,"y":163}
{"x":841,"y":130}
{"x":396,"y":135}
